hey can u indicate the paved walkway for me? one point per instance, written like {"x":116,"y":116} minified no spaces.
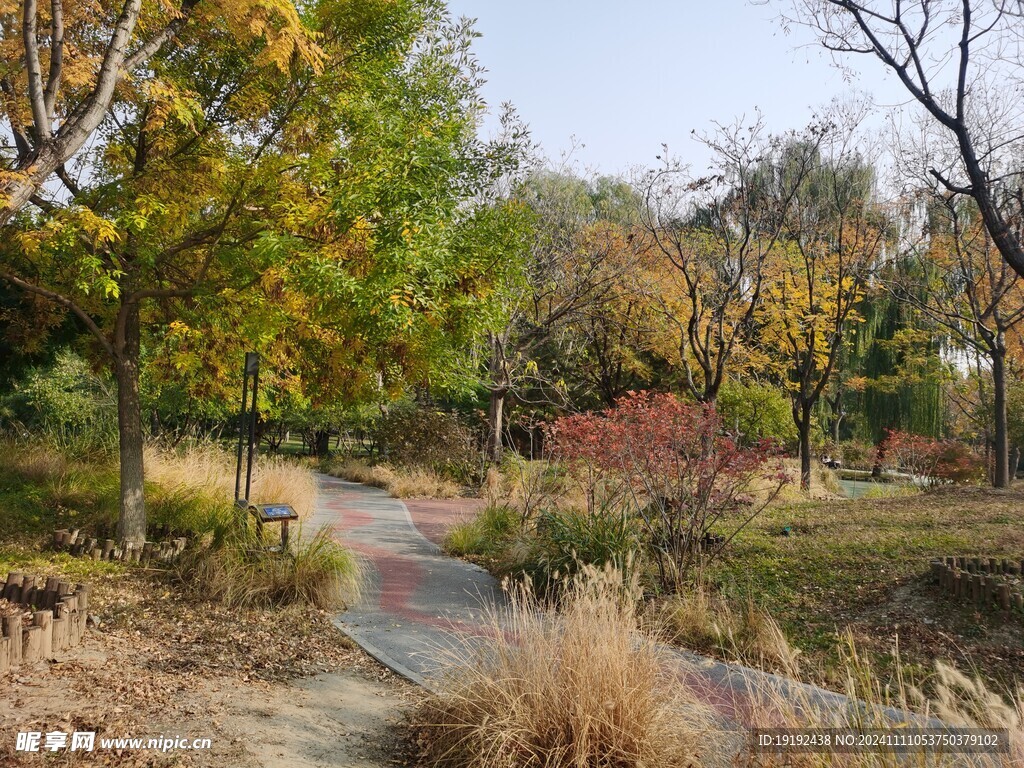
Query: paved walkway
{"x":419,"y":604}
{"x":416,"y":601}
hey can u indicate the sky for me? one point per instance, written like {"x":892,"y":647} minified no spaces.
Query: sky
{"x":625,"y":76}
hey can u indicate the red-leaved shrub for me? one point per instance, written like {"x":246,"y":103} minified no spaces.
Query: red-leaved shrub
{"x":689,"y":481}
{"x":931,"y":459}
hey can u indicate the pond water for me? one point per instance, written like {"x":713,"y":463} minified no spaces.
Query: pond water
{"x":854,"y":489}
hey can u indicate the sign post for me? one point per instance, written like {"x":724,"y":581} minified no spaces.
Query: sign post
{"x":274,"y":513}
{"x":264,"y":513}
{"x":247,"y":423}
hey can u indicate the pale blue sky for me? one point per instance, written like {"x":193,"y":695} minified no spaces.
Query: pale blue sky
{"x":623,"y":77}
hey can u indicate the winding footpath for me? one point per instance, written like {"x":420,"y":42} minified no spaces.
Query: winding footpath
{"x":417,"y":604}
{"x":420,"y":607}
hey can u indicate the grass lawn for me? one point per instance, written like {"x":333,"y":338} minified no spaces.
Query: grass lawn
{"x":862,"y":565}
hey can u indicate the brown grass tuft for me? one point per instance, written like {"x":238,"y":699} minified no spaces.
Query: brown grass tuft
{"x":208,"y":470}
{"x":575,"y":688}
{"x":957,"y":701}
{"x":703,"y":622}
{"x":35,"y":463}
{"x":411,"y":483}
{"x":422,"y":484}
{"x":235,"y":569}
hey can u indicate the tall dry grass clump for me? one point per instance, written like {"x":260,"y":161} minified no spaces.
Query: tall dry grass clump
{"x":968,"y":702}
{"x":357,"y":471}
{"x":571,"y":688}
{"x":874,"y":703}
{"x":415,"y":483}
{"x":34,"y":462}
{"x":700,"y":621}
{"x":400,"y":482}
{"x":208,"y":470}
{"x":233,"y":567}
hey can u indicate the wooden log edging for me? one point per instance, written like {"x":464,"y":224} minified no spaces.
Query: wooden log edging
{"x":990,"y":584}
{"x":59,"y":614}
{"x":77,"y":544}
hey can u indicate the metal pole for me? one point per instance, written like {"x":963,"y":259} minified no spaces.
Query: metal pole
{"x":252,"y":424}
{"x":241,"y":430}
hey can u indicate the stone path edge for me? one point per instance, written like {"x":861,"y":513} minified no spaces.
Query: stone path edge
{"x":378,"y":655}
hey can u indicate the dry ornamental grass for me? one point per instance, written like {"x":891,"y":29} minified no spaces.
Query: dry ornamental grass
{"x":208,"y":469}
{"x":402,"y":483}
{"x":957,"y":701}
{"x":574,"y":688}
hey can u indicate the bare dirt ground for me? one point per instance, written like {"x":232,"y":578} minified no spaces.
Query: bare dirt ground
{"x":345,"y":720}
{"x":269,"y":689}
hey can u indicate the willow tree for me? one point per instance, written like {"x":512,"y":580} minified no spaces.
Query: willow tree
{"x":241,"y":172}
{"x":896,"y":367}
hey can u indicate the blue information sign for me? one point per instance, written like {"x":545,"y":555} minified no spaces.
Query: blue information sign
{"x":273,"y":512}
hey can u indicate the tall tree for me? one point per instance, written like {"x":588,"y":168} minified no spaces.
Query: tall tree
{"x":716,"y":234}
{"x":960,"y":61}
{"x":959,"y":280}
{"x":834,"y":234}
{"x":242,"y":190}
{"x":575,"y":263}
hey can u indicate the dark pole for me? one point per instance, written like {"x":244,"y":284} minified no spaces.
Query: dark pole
{"x":241,"y":427}
{"x":252,"y":421}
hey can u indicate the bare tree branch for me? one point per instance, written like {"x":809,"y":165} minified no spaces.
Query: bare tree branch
{"x":40,"y":116}
{"x":56,"y":55}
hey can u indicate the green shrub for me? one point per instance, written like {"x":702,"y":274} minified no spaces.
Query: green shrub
{"x":756,"y":412}
{"x":565,"y":542}
{"x":66,"y":403}
{"x":416,"y":436}
{"x":486,"y":535}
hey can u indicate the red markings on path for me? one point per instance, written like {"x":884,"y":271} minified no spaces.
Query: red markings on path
{"x":400,"y":576}
{"x":433,"y":517}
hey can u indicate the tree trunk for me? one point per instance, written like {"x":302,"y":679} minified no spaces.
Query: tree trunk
{"x":1001,"y":475}
{"x":802,"y":417}
{"x":837,"y":416}
{"x":495,"y":424}
{"x":805,"y":455}
{"x":322,"y":443}
{"x":499,"y":389}
{"x":131,"y":524}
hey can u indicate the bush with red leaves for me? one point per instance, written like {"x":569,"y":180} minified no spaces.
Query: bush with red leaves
{"x":693,"y":486}
{"x":932,"y":460}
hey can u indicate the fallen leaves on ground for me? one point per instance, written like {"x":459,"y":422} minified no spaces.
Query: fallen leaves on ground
{"x":149,"y":668}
